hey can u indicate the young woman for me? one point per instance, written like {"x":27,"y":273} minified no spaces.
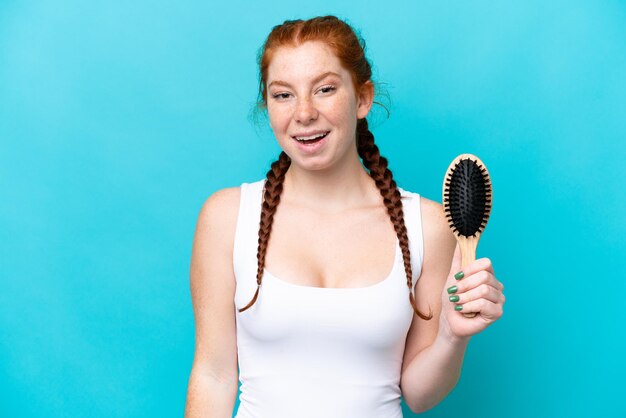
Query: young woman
{"x":332,"y":290}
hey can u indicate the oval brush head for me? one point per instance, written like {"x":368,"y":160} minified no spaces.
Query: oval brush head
{"x":467,"y":198}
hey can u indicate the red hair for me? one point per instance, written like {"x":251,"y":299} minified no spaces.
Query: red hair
{"x":350,"y":50}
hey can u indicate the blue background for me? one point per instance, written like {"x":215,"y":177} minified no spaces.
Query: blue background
{"x":117,"y":121}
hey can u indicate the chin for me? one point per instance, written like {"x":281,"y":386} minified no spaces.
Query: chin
{"x":312,"y":164}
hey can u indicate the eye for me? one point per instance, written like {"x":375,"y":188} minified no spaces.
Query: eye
{"x":280,"y":96}
{"x":327,"y":89}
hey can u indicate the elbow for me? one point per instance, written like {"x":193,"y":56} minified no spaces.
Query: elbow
{"x":419,"y":408}
{"x":423,"y":404}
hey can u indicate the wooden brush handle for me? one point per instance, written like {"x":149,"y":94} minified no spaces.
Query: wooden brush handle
{"x":468,"y":254}
{"x":468,"y":249}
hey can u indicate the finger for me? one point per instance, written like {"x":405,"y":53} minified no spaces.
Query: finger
{"x":483,"y":291}
{"x":485,"y":307}
{"x":475,"y":280}
{"x":474,"y":267}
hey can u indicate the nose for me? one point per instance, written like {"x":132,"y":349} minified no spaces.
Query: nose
{"x":305,"y":111}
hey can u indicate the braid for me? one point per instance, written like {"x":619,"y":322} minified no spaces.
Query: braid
{"x":271,"y":197}
{"x":377,"y":166}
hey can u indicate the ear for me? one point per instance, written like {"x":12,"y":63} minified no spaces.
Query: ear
{"x":365,"y":98}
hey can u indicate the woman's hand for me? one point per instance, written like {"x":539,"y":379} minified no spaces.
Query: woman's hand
{"x":478,"y":291}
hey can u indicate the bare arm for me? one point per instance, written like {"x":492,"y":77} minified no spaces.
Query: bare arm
{"x":433,"y":373}
{"x":435,"y":350}
{"x":213,"y":382}
{"x":432,"y":361}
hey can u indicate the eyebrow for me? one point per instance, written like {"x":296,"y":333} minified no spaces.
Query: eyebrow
{"x":318,"y":78}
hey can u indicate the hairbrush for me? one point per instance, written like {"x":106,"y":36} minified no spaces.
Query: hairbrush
{"x":467,"y":197}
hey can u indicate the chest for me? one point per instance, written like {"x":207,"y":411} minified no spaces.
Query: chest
{"x":352,"y":249}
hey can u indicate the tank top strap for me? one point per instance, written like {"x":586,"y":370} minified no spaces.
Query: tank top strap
{"x":413,"y":221}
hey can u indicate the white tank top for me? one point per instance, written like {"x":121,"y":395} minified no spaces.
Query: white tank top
{"x":318,"y":352}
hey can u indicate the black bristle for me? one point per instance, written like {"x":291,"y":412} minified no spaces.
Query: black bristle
{"x":468,"y":201}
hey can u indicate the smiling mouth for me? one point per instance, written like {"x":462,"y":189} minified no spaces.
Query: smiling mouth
{"x":311,"y":139}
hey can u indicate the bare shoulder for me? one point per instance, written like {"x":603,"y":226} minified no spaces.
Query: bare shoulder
{"x":437,"y":233}
{"x":218,"y":217}
{"x":215,"y":233}
{"x":221,"y":207}
{"x":214,"y":237}
{"x":439,"y":243}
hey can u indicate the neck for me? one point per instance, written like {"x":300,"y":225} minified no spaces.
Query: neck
{"x":338,"y":188}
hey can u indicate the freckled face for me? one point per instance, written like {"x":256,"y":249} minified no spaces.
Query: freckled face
{"x":312,"y":105}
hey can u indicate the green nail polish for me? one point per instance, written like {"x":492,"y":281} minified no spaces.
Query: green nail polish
{"x":452,"y":289}
{"x":458,"y":307}
{"x":459,"y":275}
{"x":454,"y":298}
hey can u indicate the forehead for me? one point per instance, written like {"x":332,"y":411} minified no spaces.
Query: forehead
{"x":302,"y":63}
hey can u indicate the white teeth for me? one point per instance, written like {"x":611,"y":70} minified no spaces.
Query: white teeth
{"x":308,"y":138}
